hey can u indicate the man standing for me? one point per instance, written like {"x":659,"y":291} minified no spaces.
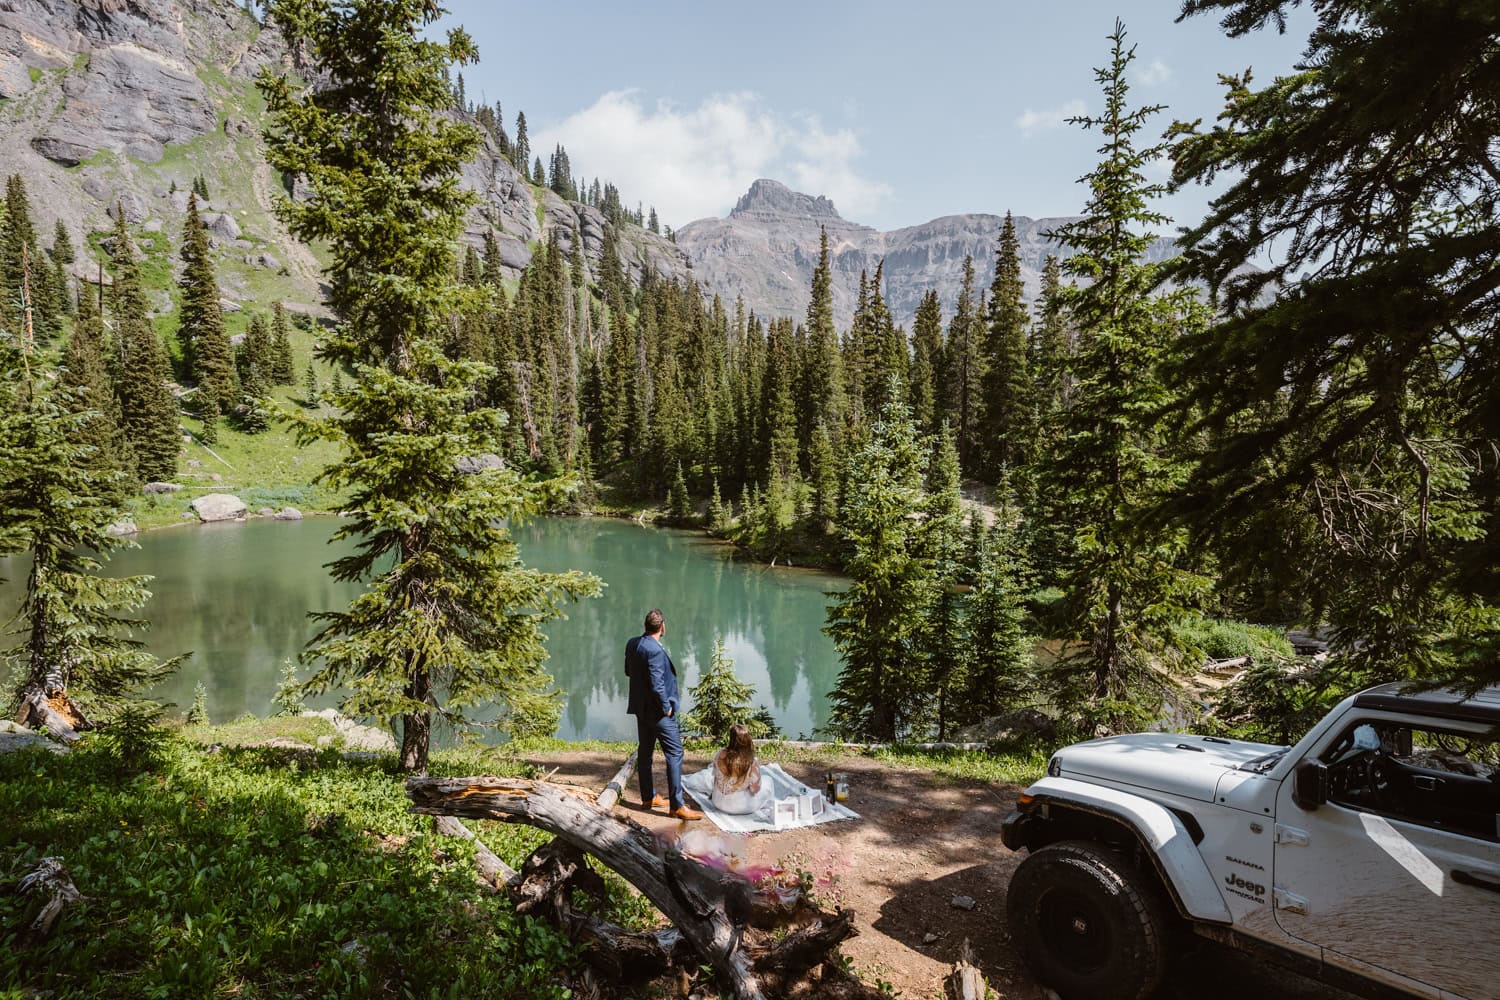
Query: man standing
{"x":653,"y":702}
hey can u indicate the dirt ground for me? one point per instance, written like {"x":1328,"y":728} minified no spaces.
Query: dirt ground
{"x":922,"y":840}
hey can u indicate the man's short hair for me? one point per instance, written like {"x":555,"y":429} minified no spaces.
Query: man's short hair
{"x":654,"y":621}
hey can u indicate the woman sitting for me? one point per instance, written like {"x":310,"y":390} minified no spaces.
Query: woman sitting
{"x":736,"y":776}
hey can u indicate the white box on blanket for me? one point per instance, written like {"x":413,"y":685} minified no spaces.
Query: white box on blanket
{"x":784,"y":813}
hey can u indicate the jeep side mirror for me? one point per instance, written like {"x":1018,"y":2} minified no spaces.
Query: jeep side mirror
{"x":1310,"y":784}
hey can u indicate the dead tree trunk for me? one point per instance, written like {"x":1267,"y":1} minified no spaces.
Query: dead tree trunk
{"x":965,"y":982}
{"x":714,"y":912}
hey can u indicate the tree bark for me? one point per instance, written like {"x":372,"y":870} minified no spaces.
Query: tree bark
{"x":715,"y":912}
{"x":965,"y":981}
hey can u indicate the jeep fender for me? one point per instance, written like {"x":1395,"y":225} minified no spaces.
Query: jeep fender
{"x":1161,"y":833}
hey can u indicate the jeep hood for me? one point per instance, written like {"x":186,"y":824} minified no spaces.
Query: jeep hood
{"x":1189,"y":766}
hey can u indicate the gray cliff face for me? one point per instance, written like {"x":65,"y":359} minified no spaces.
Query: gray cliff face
{"x":507,"y":205}
{"x":118,"y":102}
{"x":767,"y":248}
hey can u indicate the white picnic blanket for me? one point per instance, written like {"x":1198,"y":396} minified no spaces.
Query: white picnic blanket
{"x":782,"y":786}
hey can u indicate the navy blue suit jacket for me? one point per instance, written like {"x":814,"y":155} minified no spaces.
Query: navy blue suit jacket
{"x":653,"y":678}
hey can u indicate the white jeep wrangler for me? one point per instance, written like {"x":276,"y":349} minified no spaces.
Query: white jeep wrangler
{"x":1368,"y":855}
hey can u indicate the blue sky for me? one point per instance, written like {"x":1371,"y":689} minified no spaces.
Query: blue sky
{"x":899,"y":112}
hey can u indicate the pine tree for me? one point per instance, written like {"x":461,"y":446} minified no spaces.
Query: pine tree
{"x":63,"y":258}
{"x":943,"y":640}
{"x":876,"y":624}
{"x":75,"y":637}
{"x":964,"y":357}
{"x":451,"y":618}
{"x":148,"y":412}
{"x":679,"y":508}
{"x":1361,"y":362}
{"x":1001,"y":663}
{"x":825,"y":384}
{"x":823,"y":476}
{"x":927,"y":365}
{"x":720,"y":699}
{"x":1006,"y":423}
{"x":521,"y":148}
{"x":720,"y":517}
{"x":538,"y":175}
{"x":17,"y":254}
{"x":1123,"y":588}
{"x":205,"y":346}
{"x":310,"y":385}
{"x":282,"y":365}
{"x":91,"y":401}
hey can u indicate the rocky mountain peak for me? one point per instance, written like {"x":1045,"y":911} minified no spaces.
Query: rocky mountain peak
{"x":768,"y":199}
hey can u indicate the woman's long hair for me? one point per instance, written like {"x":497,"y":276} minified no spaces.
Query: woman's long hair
{"x":739,"y":753}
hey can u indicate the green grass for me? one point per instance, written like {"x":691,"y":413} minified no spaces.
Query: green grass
{"x":35,"y":73}
{"x":251,"y":873}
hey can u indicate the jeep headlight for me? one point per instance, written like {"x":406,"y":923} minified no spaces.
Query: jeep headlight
{"x":1054,"y":766}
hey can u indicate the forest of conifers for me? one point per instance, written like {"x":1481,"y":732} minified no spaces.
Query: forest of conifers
{"x":1293,"y":422}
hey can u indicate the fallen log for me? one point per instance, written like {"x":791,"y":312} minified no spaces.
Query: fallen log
{"x":965,"y":982}
{"x":494,"y":871}
{"x":713,"y":911}
{"x":616,"y":786}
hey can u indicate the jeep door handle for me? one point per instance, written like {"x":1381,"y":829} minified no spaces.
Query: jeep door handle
{"x":1477,"y":880}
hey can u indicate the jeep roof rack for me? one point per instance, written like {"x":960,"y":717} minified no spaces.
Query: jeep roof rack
{"x":1441,"y":703}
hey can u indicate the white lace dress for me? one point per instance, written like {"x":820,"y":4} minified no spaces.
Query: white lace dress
{"x":741,"y":798}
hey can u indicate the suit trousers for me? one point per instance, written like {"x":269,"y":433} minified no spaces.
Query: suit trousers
{"x":651,"y":732}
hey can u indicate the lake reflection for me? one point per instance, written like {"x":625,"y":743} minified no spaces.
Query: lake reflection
{"x":237,"y":595}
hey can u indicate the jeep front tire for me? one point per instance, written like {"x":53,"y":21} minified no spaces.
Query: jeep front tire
{"x":1086,"y":923}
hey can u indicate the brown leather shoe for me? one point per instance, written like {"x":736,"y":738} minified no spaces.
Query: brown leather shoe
{"x":684,"y":812}
{"x":657,"y":802}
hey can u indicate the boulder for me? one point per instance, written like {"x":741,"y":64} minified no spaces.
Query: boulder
{"x":230,"y":307}
{"x":354,"y":735}
{"x":264,"y":512}
{"x":61,"y":151}
{"x":288,"y":514}
{"x":1011,"y":727}
{"x":219,"y":507}
{"x":269,"y":262}
{"x":131,"y":203}
{"x":14,"y":736}
{"x":222,"y":224}
{"x":162,"y":487}
{"x":121,"y":528}
{"x":472,"y":464}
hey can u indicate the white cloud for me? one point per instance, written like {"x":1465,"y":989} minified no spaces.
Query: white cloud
{"x":1152,"y":74}
{"x":695,"y":162}
{"x":1031,"y":121}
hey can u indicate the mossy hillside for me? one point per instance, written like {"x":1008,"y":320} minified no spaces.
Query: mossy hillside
{"x":259,"y":873}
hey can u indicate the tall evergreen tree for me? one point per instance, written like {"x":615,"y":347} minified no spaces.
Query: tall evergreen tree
{"x":1124,"y":587}
{"x":90,"y":399}
{"x":282,"y":364}
{"x":963,"y":382}
{"x":928,"y":366}
{"x":521,"y":149}
{"x":877,"y":623}
{"x":205,"y":346}
{"x":451,"y":618}
{"x":1372,"y":370}
{"x":944,"y":639}
{"x":825,"y":383}
{"x":1006,"y":419}
{"x":148,"y":413}
{"x":75,"y":647}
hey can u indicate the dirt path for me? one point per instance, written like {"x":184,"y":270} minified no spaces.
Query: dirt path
{"x":924,"y":839}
